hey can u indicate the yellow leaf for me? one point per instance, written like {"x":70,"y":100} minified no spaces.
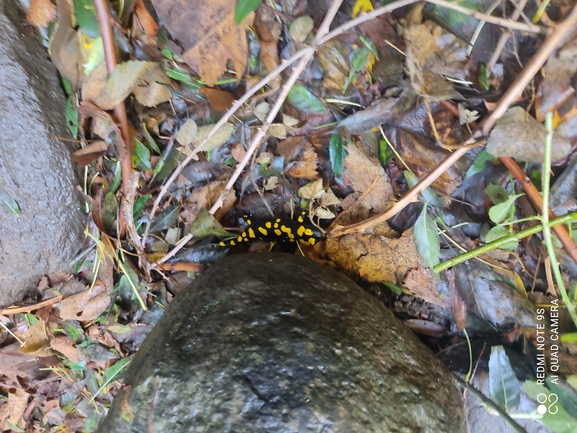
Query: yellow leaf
{"x":362,"y":6}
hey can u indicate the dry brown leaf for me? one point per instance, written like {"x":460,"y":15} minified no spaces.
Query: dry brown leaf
{"x":334,"y":59}
{"x":146,"y":21}
{"x":152,"y":94}
{"x":86,"y":305}
{"x":374,"y":258}
{"x":12,"y":410}
{"x":204,"y":197}
{"x":268,"y":31}
{"x":41,"y":13}
{"x":432,"y":53}
{"x":14,"y":364}
{"x":65,"y":346}
{"x":373,"y":191}
{"x":65,"y":50}
{"x":208,"y":34}
{"x":37,"y":340}
{"x":518,"y":135}
{"x":422,"y":284}
{"x":237,"y":151}
{"x":219,"y":100}
{"x":306,"y":167}
{"x":90,"y":153}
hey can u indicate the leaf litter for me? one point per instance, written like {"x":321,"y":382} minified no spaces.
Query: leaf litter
{"x":371,"y":106}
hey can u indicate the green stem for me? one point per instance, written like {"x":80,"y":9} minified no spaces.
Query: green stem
{"x":545,"y":219}
{"x":503,"y":241}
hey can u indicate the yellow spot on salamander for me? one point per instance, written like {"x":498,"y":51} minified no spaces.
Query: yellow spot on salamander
{"x":243,"y":235}
{"x":277,"y":232}
{"x":312,"y":241}
{"x":232,"y":243}
{"x":263,"y":231}
{"x":308,"y":232}
{"x":251,"y":233}
{"x":291,"y":236}
{"x":239,"y":239}
{"x":248,"y":221}
{"x":300,"y":231}
{"x":300,"y":219}
{"x":285,"y":229}
{"x":222,"y":244}
{"x":268,"y":225}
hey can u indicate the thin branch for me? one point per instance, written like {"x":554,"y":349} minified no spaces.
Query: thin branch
{"x":125,"y":143}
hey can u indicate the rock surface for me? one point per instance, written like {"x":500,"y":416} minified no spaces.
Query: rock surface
{"x":35,"y":167}
{"x":278,"y":343}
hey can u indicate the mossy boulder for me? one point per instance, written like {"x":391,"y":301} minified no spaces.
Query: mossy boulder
{"x":278,"y":343}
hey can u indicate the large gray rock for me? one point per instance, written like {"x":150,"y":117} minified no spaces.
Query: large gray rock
{"x":278,"y":343}
{"x":35,"y":167}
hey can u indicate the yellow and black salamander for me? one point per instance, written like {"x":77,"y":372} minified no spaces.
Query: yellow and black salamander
{"x":277,"y":230}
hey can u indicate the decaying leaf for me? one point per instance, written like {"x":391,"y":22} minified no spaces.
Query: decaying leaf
{"x":86,"y":305}
{"x":65,"y":50}
{"x":431,"y":54}
{"x":334,"y":59}
{"x":372,"y":188}
{"x":268,"y":30}
{"x":208,"y":34}
{"x":187,"y":133}
{"x":90,"y":153}
{"x":41,"y":13}
{"x":219,"y":100}
{"x":518,"y":135}
{"x":12,"y":410}
{"x":375,"y":258}
{"x":37,"y":340}
{"x":301,"y":28}
{"x":558,"y":72}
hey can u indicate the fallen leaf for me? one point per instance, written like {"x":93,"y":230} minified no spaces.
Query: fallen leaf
{"x":13,"y":408}
{"x":37,"y":340}
{"x":152,"y":94}
{"x":15,"y":364}
{"x":146,"y":21}
{"x":41,"y":13}
{"x":421,"y":282}
{"x":518,"y":135}
{"x":301,"y":28}
{"x":268,"y":31}
{"x":208,"y":34}
{"x":65,"y":346}
{"x":433,"y":53}
{"x":334,"y":59}
{"x":90,"y":153}
{"x":219,"y":100}
{"x":187,"y":132}
{"x":86,"y":305}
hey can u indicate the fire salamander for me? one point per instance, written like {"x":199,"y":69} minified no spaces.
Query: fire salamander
{"x":278,"y":230}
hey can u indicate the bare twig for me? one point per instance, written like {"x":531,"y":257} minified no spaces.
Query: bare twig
{"x":125,"y":145}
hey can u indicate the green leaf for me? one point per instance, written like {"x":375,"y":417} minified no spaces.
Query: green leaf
{"x":303,"y":100}
{"x":151,"y":143}
{"x":394,"y":288}
{"x":428,"y":193}
{"x":500,"y":211}
{"x":165,"y":219}
{"x":111,"y":374}
{"x":570,"y":338}
{"x":86,"y":17}
{"x":479,"y":164}
{"x":499,"y":232}
{"x":72,"y":116}
{"x":337,"y":153}
{"x":243,"y":8}
{"x":503,"y":384}
{"x":497,"y":193}
{"x":483,"y":79}
{"x":426,"y":239}
{"x":138,"y":209}
{"x":206,"y":225}
{"x":141,"y":156}
{"x":8,"y":203}
{"x":117,"y":178}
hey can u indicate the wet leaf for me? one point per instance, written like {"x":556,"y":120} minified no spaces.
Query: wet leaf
{"x":141,"y":156}
{"x":427,"y":238}
{"x":303,"y":100}
{"x":334,"y":59}
{"x":90,"y":153}
{"x":8,"y":204}
{"x":337,"y":153}
{"x":518,"y":135}
{"x":301,"y":28}
{"x":206,"y":225}
{"x":165,"y":219}
{"x":503,"y":384}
